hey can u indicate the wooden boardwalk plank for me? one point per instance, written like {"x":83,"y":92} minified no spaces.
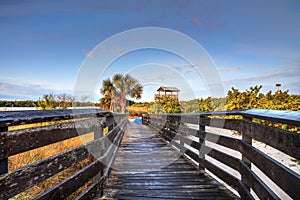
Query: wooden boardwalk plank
{"x":147,"y":168}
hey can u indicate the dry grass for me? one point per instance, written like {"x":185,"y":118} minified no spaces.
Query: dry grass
{"x":26,"y":158}
{"x":137,"y":111}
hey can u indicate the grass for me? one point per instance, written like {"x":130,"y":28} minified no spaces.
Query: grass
{"x":29,"y":157}
{"x":137,"y":111}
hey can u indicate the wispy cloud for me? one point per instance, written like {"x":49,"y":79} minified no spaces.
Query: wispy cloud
{"x":283,"y":74}
{"x":288,"y":76}
{"x":230,"y":69}
{"x":196,"y":21}
{"x":13,"y":91}
{"x":17,"y":88}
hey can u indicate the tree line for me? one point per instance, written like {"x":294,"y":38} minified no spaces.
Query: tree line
{"x":48,"y":102}
{"x":235,"y":99}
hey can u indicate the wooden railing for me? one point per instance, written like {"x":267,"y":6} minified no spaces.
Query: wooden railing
{"x":177,"y":130}
{"x":68,"y":124}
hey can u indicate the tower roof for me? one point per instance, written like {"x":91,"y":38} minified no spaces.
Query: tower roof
{"x":168,"y":89}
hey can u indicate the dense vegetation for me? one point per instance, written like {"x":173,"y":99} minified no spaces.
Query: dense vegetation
{"x":48,"y":102}
{"x":253,"y":98}
{"x":235,"y":99}
{"x":165,"y":104}
{"x":24,"y":103}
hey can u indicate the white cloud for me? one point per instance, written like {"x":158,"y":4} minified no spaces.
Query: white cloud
{"x":288,"y":76}
{"x":27,"y":91}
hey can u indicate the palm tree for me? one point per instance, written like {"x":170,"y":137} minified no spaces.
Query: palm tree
{"x":105,"y":103}
{"x":119,"y":88}
{"x":108,"y":91}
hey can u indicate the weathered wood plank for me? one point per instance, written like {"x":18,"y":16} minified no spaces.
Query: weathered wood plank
{"x":285,"y":141}
{"x":282,"y":140}
{"x":183,"y":129}
{"x":223,"y":175}
{"x":10,"y":118}
{"x":93,"y":190}
{"x":231,"y":143}
{"x":71,"y":184}
{"x":280,"y":116}
{"x":14,"y":142}
{"x":259,"y":187}
{"x":231,"y":124}
{"x":149,"y":176}
{"x":183,"y":139}
{"x":21,"y":179}
{"x":273,"y":169}
{"x":17,"y":181}
{"x":224,"y":158}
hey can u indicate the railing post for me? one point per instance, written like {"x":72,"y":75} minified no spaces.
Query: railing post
{"x":145,"y":119}
{"x":98,"y":133}
{"x":4,"y":161}
{"x":201,"y":155}
{"x":108,"y":121}
{"x":246,"y":139}
{"x":177,"y":122}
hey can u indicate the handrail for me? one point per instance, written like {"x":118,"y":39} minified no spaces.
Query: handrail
{"x":102,"y":150}
{"x":176,"y":129}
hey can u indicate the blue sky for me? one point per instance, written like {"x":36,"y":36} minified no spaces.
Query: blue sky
{"x":44,"y":43}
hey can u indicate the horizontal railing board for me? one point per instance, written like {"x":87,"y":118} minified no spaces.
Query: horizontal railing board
{"x":14,"y":142}
{"x":93,"y":190}
{"x":273,"y":169}
{"x":287,"y":179}
{"x":220,"y":156}
{"x":183,"y":129}
{"x":10,"y":118}
{"x":114,"y":150}
{"x":252,"y":180}
{"x":220,"y":173}
{"x":187,"y":151}
{"x":188,"y":141}
{"x":228,"y":178}
{"x":285,"y":141}
{"x":231,"y":143}
{"x":231,"y":124}
{"x":228,"y":160}
{"x":32,"y":174}
{"x":24,"y":178}
{"x":280,"y":116}
{"x":75,"y":181}
{"x":224,"y":158}
{"x":72,"y":183}
{"x":108,"y":139}
{"x":17,"y":141}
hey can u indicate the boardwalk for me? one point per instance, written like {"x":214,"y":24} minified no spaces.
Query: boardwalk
{"x":147,"y":168}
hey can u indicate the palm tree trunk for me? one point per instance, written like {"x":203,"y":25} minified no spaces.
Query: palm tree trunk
{"x":123,"y":103}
